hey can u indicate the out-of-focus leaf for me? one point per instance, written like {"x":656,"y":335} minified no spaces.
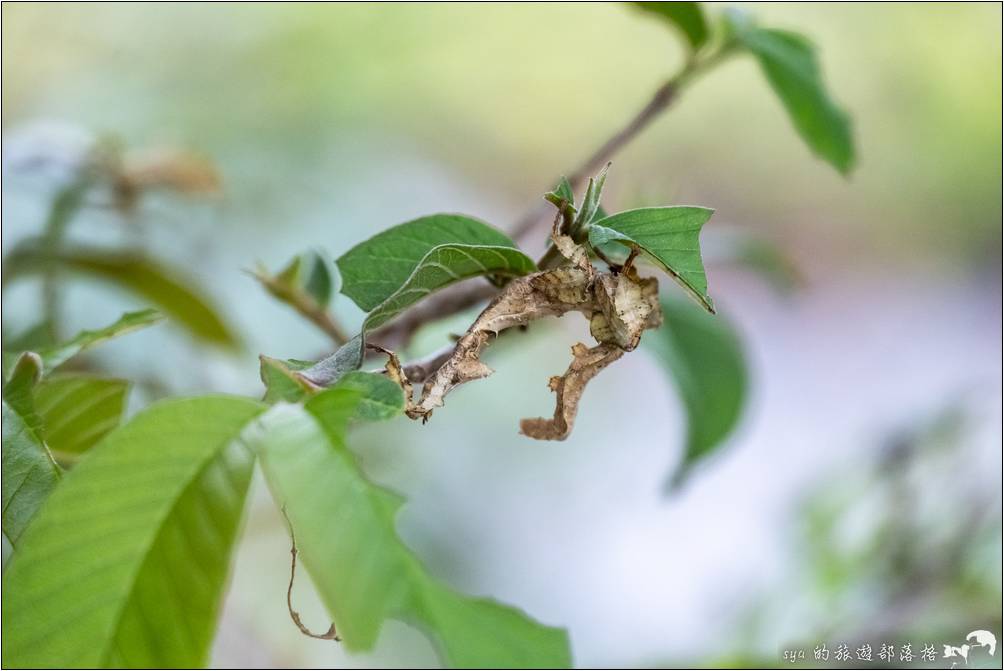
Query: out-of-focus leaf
{"x":705,"y":358}
{"x":346,"y":536}
{"x":669,"y":235}
{"x":29,"y":472}
{"x":789,"y":62}
{"x":313,"y":275}
{"x":130,"y":321}
{"x":126,"y":564}
{"x":79,"y":410}
{"x":144,"y":277}
{"x":687,"y":16}
{"x":396,"y":268}
{"x":770,"y":262}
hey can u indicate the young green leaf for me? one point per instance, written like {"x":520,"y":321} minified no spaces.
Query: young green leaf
{"x":79,"y":410}
{"x":669,"y":235}
{"x":346,"y":536}
{"x":789,"y":62}
{"x":144,"y":277}
{"x":396,"y":268}
{"x":562,"y":193}
{"x":687,"y":16}
{"x":55,"y":356}
{"x":29,"y":472}
{"x":126,"y":564}
{"x":591,"y":201}
{"x":706,"y":361}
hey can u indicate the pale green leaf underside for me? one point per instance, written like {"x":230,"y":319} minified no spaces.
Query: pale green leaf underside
{"x":669,"y":235}
{"x":345,"y":531}
{"x":704,"y":356}
{"x":404,"y":264}
{"x":79,"y":410}
{"x":29,"y":472}
{"x":125,"y":564}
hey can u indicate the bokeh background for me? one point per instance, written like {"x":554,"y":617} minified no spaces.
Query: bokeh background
{"x":860,"y":498}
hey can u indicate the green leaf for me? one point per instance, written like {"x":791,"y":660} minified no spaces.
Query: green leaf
{"x":346,"y":535}
{"x":312,"y":273}
{"x":591,"y":201}
{"x":126,"y":564}
{"x":281,"y":380}
{"x":562,"y":193}
{"x":789,"y":62}
{"x":79,"y":410}
{"x":670,"y":235}
{"x":687,"y":16}
{"x":347,"y":358}
{"x":131,"y":321}
{"x":396,"y":268}
{"x":144,"y":277}
{"x":29,"y":472}
{"x":705,"y":357}
{"x":379,"y":399}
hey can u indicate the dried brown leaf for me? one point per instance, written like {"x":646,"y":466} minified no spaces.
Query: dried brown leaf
{"x":586,"y":363}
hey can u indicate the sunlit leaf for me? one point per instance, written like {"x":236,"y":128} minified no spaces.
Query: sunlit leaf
{"x":79,"y":410}
{"x":704,"y":356}
{"x":57,"y":355}
{"x":29,"y":472}
{"x":379,"y":397}
{"x":145,"y":277}
{"x":346,"y":534}
{"x":669,"y":235}
{"x":687,"y":16}
{"x":126,"y":563}
{"x":789,"y":62}
{"x":404,"y":264}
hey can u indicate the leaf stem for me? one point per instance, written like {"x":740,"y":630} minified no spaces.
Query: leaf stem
{"x":303,"y":304}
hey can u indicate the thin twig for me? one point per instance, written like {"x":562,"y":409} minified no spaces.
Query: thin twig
{"x":330,"y":634}
{"x":465,"y":295}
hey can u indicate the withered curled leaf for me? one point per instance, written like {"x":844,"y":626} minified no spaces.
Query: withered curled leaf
{"x":619,"y":306}
{"x":586,"y":363}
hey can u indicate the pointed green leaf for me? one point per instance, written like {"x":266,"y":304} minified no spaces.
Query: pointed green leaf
{"x":705,"y":358}
{"x":312,"y":273}
{"x":562,"y":193}
{"x":687,"y":16}
{"x":144,"y":277}
{"x":126,"y":563}
{"x":789,"y":62}
{"x":79,"y":410}
{"x":380,"y":398}
{"x":57,"y":355}
{"x":669,"y":235}
{"x":29,"y":472}
{"x":591,"y":201}
{"x":404,"y":264}
{"x":346,"y":534}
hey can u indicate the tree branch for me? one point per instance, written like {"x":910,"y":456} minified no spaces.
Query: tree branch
{"x":303,"y":304}
{"x":461,"y":296}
